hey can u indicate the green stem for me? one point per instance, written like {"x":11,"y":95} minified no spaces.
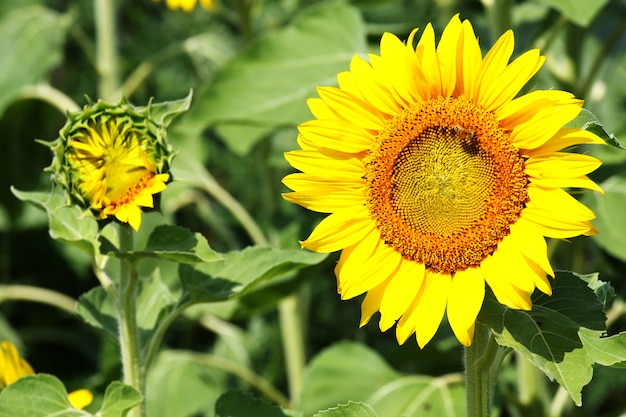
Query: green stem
{"x":244,"y":11}
{"x":500,"y":16}
{"x":155,"y":341}
{"x":38,"y":295}
{"x":481,"y":362}
{"x":293,"y":343}
{"x":106,"y":49}
{"x":245,"y":374}
{"x":51,"y":96}
{"x":127,"y":315}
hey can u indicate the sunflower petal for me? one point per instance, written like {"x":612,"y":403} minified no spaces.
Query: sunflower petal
{"x":431,"y":305}
{"x":400,"y":292}
{"x":467,"y":292}
{"x":339,"y":230}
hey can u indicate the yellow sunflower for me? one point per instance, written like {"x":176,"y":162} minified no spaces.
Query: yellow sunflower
{"x":13,"y":367}
{"x":113,"y":159}
{"x":438,"y":179}
{"x":189,"y":5}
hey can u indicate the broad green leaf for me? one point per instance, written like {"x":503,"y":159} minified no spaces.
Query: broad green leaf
{"x":580,"y":12}
{"x":279,"y":72}
{"x":31,"y":45}
{"x":588,"y":121}
{"x":118,"y":399}
{"x":607,"y":351}
{"x":177,"y":385}
{"x":352,"y":409}
{"x":98,"y":310}
{"x":548,"y":334}
{"x":40,"y":395}
{"x":421,"y":396}
{"x":346,"y":371}
{"x":611,"y":220}
{"x":67,"y":223}
{"x":239,"y":404}
{"x":173,"y":243}
{"x":241,"y":271}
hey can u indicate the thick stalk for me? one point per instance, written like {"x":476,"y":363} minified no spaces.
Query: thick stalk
{"x":106,"y":49}
{"x":127,"y":316}
{"x":480,"y":358}
{"x":293,"y":343}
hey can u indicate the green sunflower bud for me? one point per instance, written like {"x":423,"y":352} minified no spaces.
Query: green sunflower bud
{"x":113,"y":159}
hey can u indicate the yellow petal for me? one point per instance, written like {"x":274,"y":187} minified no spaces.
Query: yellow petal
{"x":447,"y":50}
{"x":492,"y":67}
{"x":369,"y":263}
{"x":431,"y":305}
{"x":466,"y":295}
{"x":323,"y":165}
{"x":320,"y":110}
{"x":306,"y":182}
{"x":337,"y":134}
{"x":525,"y":107}
{"x":327,"y":199}
{"x":400,"y":292}
{"x":469,"y":63}
{"x":340,"y":230}
{"x":371,"y":302}
{"x":80,"y":398}
{"x":427,"y":56}
{"x":531,"y":243}
{"x":561,"y":165}
{"x":565,"y":138}
{"x":350,"y":108}
{"x":373,"y":91}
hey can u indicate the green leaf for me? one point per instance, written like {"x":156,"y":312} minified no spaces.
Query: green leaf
{"x":40,"y":395}
{"x":611,"y":220}
{"x":279,"y":72}
{"x":239,"y":404}
{"x":346,"y":371}
{"x":163,"y":113}
{"x":177,"y":385}
{"x":548,"y":335}
{"x":607,"y":351}
{"x":241,"y":271}
{"x":67,"y":223}
{"x":118,"y":398}
{"x":31,"y":45}
{"x":588,"y":121}
{"x":580,"y":12}
{"x":98,"y":310}
{"x":172,"y":243}
{"x":421,"y":396}
{"x":351,"y":409}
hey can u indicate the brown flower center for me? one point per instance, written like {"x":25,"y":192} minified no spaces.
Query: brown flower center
{"x":445,"y":184}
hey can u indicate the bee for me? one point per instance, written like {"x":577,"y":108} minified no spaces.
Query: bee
{"x":466,"y":135}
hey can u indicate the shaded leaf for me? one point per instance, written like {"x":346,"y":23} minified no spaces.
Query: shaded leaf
{"x":351,"y":409}
{"x":548,"y":334}
{"x":67,"y":223}
{"x":611,"y":220}
{"x":588,"y":121}
{"x":177,"y":385}
{"x":239,"y":404}
{"x":580,"y":12}
{"x":421,"y":396}
{"x":40,"y":395}
{"x":280,"y":71}
{"x":241,"y":271}
{"x":41,"y":32}
{"x":118,"y":399}
{"x":172,"y":243}
{"x":346,"y":371}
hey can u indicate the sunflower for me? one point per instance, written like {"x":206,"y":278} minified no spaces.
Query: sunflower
{"x":189,"y":5}
{"x":439,"y":178}
{"x":13,"y":367}
{"x":112,"y":159}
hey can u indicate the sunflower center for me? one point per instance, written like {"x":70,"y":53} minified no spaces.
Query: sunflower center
{"x":445,"y":184}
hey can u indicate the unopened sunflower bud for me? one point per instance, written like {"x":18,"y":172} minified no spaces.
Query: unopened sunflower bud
{"x":113,"y":159}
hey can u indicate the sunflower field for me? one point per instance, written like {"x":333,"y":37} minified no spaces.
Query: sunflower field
{"x":313,"y":208}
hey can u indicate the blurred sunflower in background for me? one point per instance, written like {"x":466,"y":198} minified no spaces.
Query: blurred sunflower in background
{"x":438,"y":179}
{"x":13,"y":367}
{"x":189,"y":5}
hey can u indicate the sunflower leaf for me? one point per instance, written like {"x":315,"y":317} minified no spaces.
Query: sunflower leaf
{"x":171,"y":243}
{"x":239,"y":404}
{"x":580,"y":12}
{"x":352,"y":409}
{"x":241,"y":271}
{"x":279,"y":72}
{"x":588,"y":121}
{"x":549,"y":334}
{"x":38,"y":395}
{"x":67,"y":223}
{"x":118,"y":399}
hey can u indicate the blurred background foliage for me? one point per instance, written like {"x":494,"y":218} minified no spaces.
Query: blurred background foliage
{"x":251,"y":65}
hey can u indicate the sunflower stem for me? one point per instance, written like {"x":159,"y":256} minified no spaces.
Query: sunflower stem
{"x":127,"y":315}
{"x":106,"y":49}
{"x":481,"y":363}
